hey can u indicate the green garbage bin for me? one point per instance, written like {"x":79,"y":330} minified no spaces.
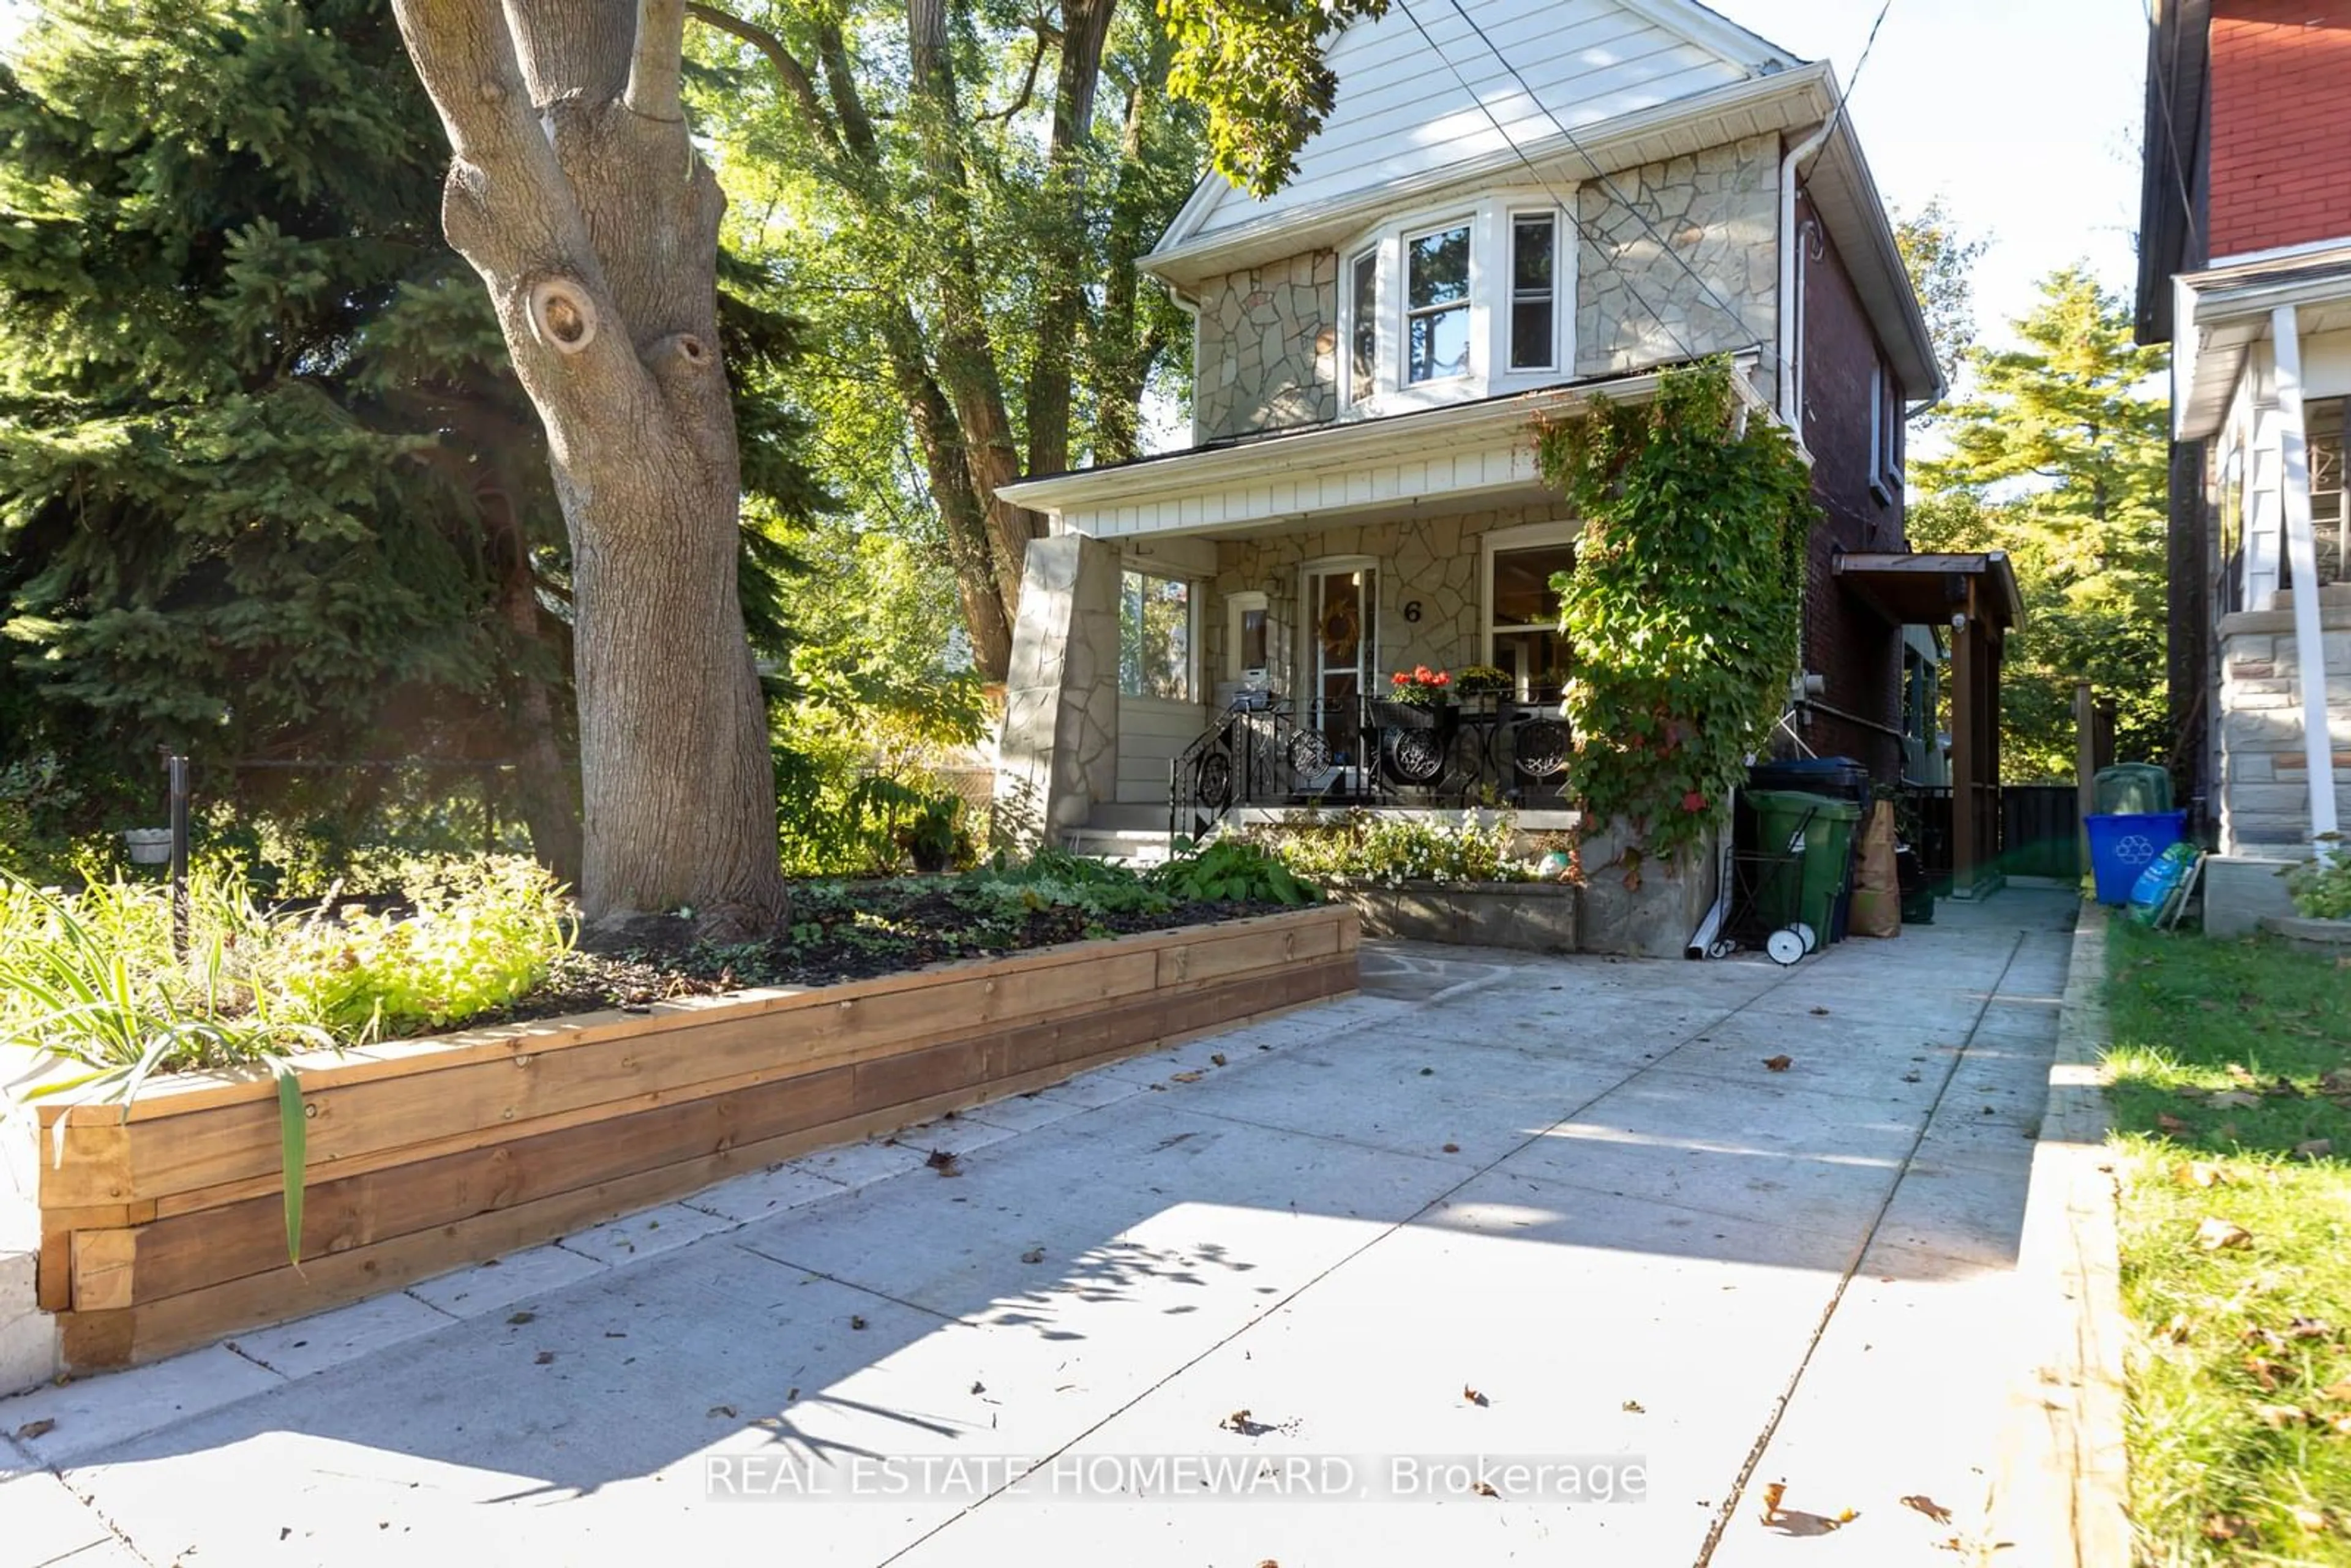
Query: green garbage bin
{"x":2130,"y":788}
{"x":1825,"y":828}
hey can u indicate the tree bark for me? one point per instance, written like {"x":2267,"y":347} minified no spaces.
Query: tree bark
{"x":576,"y":194}
{"x":1086,"y":28}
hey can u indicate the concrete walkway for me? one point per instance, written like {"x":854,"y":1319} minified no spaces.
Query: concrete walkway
{"x":1280,"y":1261}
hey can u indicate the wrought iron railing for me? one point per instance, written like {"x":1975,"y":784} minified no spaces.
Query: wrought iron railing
{"x":1355,"y":751}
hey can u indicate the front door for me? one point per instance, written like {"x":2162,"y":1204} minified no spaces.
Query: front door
{"x":1343,"y":633}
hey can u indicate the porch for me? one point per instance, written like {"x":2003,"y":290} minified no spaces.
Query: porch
{"x":1218,"y":629}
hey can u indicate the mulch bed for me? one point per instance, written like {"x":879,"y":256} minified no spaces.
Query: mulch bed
{"x":840,"y":932}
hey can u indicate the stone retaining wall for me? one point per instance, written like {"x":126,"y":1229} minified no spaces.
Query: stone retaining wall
{"x":2261,"y":783}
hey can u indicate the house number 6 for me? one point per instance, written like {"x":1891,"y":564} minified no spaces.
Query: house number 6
{"x":1412,"y":610}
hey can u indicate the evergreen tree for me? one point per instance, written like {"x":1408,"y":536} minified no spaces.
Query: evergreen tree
{"x":268,"y":487}
{"x":2059,"y":458}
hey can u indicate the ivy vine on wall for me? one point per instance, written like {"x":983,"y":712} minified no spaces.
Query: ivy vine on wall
{"x":1684,"y":610}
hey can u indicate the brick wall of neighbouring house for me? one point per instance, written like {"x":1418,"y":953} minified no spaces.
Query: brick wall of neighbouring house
{"x":1859,"y":652}
{"x":2281,"y":142}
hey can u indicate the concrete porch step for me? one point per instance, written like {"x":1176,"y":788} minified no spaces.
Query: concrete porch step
{"x":1129,"y":846}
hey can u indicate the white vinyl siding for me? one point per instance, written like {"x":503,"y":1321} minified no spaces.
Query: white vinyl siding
{"x":1401,"y":113}
{"x":1151,"y":735}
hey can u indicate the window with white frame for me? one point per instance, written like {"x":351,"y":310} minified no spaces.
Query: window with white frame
{"x":1437,"y":304}
{"x":1442,"y":305}
{"x":1534,"y":292}
{"x":1155,"y":637}
{"x":1522,"y":635}
{"x":1363,"y":329}
{"x":2327,"y":425}
{"x":1884,"y":433}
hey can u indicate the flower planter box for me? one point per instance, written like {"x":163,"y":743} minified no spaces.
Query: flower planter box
{"x":165,"y":1229}
{"x":1532,"y":916}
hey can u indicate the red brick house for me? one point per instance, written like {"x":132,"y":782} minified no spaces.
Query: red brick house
{"x":2245,"y":269}
{"x":1513,"y":207}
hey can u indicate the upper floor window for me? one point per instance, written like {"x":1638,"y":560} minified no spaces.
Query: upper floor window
{"x":1535,"y":293}
{"x":1436,"y":305}
{"x":1363,"y":336}
{"x":1440,"y":305}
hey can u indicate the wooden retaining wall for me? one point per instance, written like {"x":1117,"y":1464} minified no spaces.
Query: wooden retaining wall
{"x":166,"y":1229}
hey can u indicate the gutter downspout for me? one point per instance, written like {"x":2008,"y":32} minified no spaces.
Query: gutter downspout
{"x":1190,"y":305}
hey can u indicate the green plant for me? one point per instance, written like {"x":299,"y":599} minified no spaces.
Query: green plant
{"x":1393,"y":850}
{"x":2321,"y":887}
{"x":1485,"y":680}
{"x":1420,"y":687}
{"x":1683,"y":608}
{"x":1232,"y":869}
{"x":1056,"y":879}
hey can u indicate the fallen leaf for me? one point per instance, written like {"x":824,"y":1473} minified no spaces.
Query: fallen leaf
{"x":2340,"y":1425}
{"x":2176,"y":1330}
{"x":2337,"y":1082}
{"x":1485,"y":1488}
{"x":978,"y":1387}
{"x":2267,"y":1372}
{"x":2268,"y":1338}
{"x":2215,"y":1234}
{"x":32,"y":1429}
{"x":2338,"y":1392}
{"x":944,"y":1162}
{"x":855,"y":1321}
{"x":1820,"y":1012}
{"x":2240,"y":1075}
{"x":1472,"y":1395}
{"x":2280,"y":1415}
{"x":2199,"y":1173}
{"x":2169,"y":1123}
{"x":1185,"y":1077}
{"x":2225,"y":1527}
{"x":1452,"y":1148}
{"x":1847,"y":1516}
{"x":1239,"y":1421}
{"x":2310,"y":1518}
{"x":1779,"y":1063}
{"x":2315,"y":1148}
{"x":1216,"y":1058}
{"x":521,"y":1317}
{"x":544,"y":1358}
{"x":1428,"y":1072}
{"x":720,"y":1413}
{"x":2233,"y":1100}
{"x":1918,"y":1503}
{"x":1773,"y":1492}
{"x":2309,"y":1328}
{"x":1633,"y":1407}
{"x":1034,"y":1255}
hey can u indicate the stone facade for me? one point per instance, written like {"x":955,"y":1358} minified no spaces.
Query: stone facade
{"x":1636,"y":304}
{"x":2262,"y":782}
{"x":1267,"y":355}
{"x":1058,"y":754}
{"x":1432,"y":562}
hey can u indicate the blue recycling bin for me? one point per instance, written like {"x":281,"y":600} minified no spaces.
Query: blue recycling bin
{"x":2124,"y":845}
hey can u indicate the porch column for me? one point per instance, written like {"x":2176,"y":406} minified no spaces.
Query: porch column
{"x":2302,"y":553}
{"x":1966,"y":693}
{"x":1057,"y":757}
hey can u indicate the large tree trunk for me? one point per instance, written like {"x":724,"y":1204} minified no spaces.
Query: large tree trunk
{"x":548,"y":802}
{"x":577,"y":193}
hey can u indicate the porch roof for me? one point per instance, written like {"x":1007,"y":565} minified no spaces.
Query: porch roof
{"x":1458,"y":458}
{"x":1926,"y":590}
{"x":2220,"y":313}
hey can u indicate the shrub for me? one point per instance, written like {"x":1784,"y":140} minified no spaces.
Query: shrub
{"x":2321,"y":888}
{"x":1057,"y":879}
{"x":1394,"y":849}
{"x":1235,"y":870}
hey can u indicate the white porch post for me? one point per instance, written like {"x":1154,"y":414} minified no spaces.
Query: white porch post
{"x":2302,"y":553}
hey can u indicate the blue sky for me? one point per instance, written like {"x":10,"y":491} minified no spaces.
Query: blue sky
{"x":2021,"y":114}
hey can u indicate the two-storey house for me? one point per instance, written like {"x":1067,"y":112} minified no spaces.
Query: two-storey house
{"x":1514,"y":206}
{"x":2245,"y":269}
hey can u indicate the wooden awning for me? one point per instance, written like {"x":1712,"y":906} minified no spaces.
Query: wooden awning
{"x":1928,"y":589}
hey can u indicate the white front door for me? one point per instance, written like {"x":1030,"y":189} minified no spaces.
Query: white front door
{"x":1342,"y":604}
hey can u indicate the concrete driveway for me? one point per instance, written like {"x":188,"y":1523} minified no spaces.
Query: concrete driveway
{"x":1271,"y":1296}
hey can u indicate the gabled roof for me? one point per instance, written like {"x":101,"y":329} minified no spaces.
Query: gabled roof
{"x":1403,"y":108}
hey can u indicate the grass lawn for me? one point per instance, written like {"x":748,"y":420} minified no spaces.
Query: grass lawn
{"x":2232,"y":1107}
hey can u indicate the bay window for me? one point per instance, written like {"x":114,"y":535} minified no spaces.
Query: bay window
{"x":1436,"y":305}
{"x":1534,"y":299}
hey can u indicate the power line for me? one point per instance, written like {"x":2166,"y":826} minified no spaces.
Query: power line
{"x":1563,"y":204}
{"x":2170,"y":130}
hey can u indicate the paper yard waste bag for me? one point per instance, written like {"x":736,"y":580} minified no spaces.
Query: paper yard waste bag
{"x":1876,"y":894}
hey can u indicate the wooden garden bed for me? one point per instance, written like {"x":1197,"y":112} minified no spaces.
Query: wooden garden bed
{"x":166,"y":1229}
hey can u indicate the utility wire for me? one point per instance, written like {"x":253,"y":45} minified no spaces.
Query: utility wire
{"x":2171,"y":160}
{"x":1562,"y":202}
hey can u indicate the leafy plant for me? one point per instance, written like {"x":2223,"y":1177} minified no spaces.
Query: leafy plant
{"x":1055,"y":878}
{"x":1485,"y":680}
{"x":1683,"y":610}
{"x":1232,"y":869}
{"x":1393,"y":850}
{"x":1420,"y":687}
{"x":2321,"y":887}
